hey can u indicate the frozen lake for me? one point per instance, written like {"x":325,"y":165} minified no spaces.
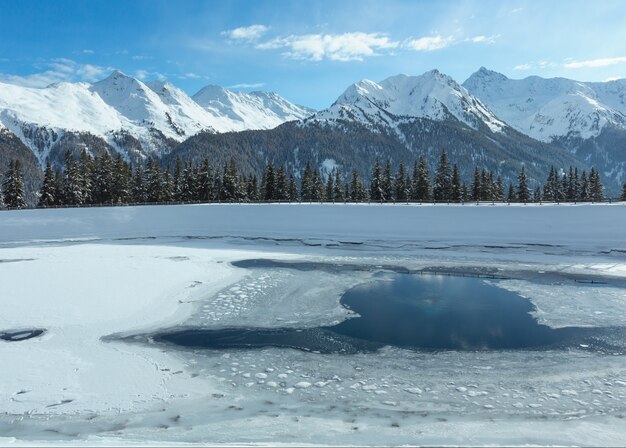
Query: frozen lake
{"x":425,"y":312}
{"x":355,"y":325}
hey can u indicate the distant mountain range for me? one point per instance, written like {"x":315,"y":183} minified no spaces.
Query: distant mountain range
{"x":489,"y":120}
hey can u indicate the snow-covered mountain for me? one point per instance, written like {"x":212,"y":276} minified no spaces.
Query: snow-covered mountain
{"x":130,"y":116}
{"x":432,"y":95}
{"x":549,"y":109}
{"x":237,"y":111}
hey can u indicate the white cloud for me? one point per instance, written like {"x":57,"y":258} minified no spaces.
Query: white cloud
{"x":58,"y":70}
{"x":602,"y":62}
{"x":429,"y":43}
{"x":612,"y":78}
{"x":244,"y":85}
{"x":335,"y":47}
{"x":144,"y":75}
{"x":523,"y":67}
{"x":483,"y":39}
{"x":88,"y":51}
{"x":250,"y":33}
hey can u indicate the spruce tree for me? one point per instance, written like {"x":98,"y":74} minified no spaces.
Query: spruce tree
{"x":476,"y":183}
{"x":537,"y":195}
{"x":387,"y":183}
{"x":338,"y":190}
{"x":268,"y":183}
{"x":456,"y":192}
{"x":401,"y":187}
{"x":205,"y":182}
{"x":178,"y":179}
{"x":595,"y":186}
{"x":421,"y":181}
{"x":583,"y":195}
{"x":306,"y":188}
{"x":46,"y":194}
{"x":253,"y":188}
{"x":154,"y":183}
{"x":280,"y":185}
{"x":443,"y":179}
{"x":376,"y":187}
{"x":293,"y":189}
{"x":357,"y":189}
{"x":138,"y":188}
{"x":510,"y":197}
{"x":523,"y":191}
{"x":13,"y":186}
{"x":498,"y":190}
{"x":102,"y":179}
{"x":329,"y":193}
{"x":623,"y":196}
{"x":318,"y":187}
{"x":167,"y":187}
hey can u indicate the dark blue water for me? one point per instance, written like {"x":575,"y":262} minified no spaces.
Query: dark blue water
{"x":420,"y":312}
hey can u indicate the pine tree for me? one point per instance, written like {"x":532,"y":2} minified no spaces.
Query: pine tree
{"x":154,"y":182}
{"x":387,"y":183}
{"x":293,"y":189}
{"x":138,"y":188}
{"x":443,"y":179}
{"x":230,"y":183}
{"x":537,"y":195}
{"x":318,"y":187}
{"x":306,"y":189}
{"x":85,"y":167}
{"x":421,"y":181}
{"x":167,"y":188}
{"x":252,"y":189}
{"x":102,"y":179}
{"x":583,"y":196}
{"x":178,"y":179}
{"x":623,"y":196}
{"x":456,"y":188}
{"x":72,"y":185}
{"x":376,"y":187}
{"x":486,"y":185}
{"x":476,"y":183}
{"x":13,"y":186}
{"x":268,"y":182}
{"x":329,"y":193}
{"x":510,"y":197}
{"x":205,"y":182}
{"x":357,"y":189}
{"x":523,"y":191}
{"x":338,"y":188}
{"x":120,"y":188}
{"x":595,"y":186}
{"x":498,"y":190}
{"x":46,"y":194}
{"x":59,"y":199}
{"x":401,"y":186}
{"x":280,"y":185}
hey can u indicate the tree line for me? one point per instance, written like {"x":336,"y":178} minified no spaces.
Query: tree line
{"x":88,"y":180}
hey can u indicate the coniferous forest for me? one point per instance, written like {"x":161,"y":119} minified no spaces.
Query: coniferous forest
{"x":104,"y":180}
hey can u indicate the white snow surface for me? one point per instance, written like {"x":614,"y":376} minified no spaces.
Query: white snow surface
{"x":432,"y":95}
{"x":87,"y":273}
{"x":123,"y":103}
{"x":546,"y":109}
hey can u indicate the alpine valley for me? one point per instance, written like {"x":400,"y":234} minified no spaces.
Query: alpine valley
{"x":489,"y":121}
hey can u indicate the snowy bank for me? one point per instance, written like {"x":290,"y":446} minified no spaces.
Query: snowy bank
{"x":590,"y":227}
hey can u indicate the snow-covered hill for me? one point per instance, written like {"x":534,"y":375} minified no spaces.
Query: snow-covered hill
{"x":131,"y":116}
{"x":549,"y":109}
{"x":432,"y":95}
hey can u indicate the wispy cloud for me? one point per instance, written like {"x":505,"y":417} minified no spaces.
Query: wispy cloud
{"x":523,"y":67}
{"x":249,"y":33}
{"x":483,"y":39}
{"x":335,"y":47}
{"x":58,"y":70}
{"x":429,"y":43}
{"x":602,"y":62}
{"x":244,"y":85}
{"x":144,"y":75}
{"x":87,"y":51}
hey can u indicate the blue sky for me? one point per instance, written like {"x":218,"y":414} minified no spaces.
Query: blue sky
{"x":307,"y":51}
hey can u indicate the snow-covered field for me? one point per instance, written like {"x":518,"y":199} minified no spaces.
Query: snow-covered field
{"x":85,"y":274}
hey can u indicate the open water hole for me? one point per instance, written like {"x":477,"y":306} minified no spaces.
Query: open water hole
{"x":420,"y":312}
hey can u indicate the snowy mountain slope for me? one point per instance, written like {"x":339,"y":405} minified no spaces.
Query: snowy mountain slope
{"x":432,"y":95}
{"x":237,"y":111}
{"x":548,"y":109}
{"x":131,"y":117}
